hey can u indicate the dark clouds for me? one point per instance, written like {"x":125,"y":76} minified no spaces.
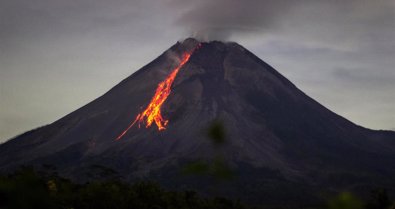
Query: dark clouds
{"x":57,"y":55}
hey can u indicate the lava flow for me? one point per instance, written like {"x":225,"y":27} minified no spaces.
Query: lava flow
{"x":152,"y":113}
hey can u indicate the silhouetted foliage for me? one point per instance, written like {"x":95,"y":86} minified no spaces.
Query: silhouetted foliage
{"x":379,"y":199}
{"x":23,"y":190}
{"x":26,"y":189}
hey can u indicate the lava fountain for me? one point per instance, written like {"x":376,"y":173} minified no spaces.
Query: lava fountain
{"x":152,"y":113}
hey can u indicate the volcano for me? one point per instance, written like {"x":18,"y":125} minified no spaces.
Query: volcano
{"x":281,"y":144}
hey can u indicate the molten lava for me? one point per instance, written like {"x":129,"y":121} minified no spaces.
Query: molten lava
{"x":152,"y":113}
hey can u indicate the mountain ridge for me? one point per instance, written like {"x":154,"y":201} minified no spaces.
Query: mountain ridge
{"x":271,"y":125}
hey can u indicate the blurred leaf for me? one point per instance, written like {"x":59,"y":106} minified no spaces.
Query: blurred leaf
{"x":196,"y":168}
{"x":52,"y":186}
{"x":220,"y":170}
{"x":216,"y":133}
{"x":345,"y":200}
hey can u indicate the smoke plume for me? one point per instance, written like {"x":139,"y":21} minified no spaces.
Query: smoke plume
{"x":220,"y":19}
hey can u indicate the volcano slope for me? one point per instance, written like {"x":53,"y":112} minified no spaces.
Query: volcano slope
{"x":281,"y":144}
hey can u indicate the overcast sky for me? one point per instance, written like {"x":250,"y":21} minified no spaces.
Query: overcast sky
{"x":57,"y":55}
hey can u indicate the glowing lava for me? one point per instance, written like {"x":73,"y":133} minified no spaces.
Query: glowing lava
{"x":152,"y":113}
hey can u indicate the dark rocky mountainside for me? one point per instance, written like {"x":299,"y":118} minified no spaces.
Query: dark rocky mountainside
{"x":280,"y":142}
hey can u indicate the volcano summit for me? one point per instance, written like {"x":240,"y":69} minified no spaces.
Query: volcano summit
{"x":281,"y":144}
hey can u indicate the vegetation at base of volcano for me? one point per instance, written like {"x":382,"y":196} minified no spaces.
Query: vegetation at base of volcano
{"x":27,"y":189}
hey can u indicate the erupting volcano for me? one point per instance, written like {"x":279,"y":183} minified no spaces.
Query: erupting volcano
{"x":153,"y":113}
{"x":283,"y":145}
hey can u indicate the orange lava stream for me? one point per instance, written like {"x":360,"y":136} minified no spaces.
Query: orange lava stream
{"x":152,"y":113}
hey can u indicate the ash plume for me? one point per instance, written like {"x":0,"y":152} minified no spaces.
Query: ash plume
{"x":220,"y":19}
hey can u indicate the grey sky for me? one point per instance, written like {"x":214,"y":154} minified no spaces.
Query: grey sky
{"x":56,"y":55}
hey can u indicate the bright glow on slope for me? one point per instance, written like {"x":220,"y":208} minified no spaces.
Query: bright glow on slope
{"x":153,"y":113}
